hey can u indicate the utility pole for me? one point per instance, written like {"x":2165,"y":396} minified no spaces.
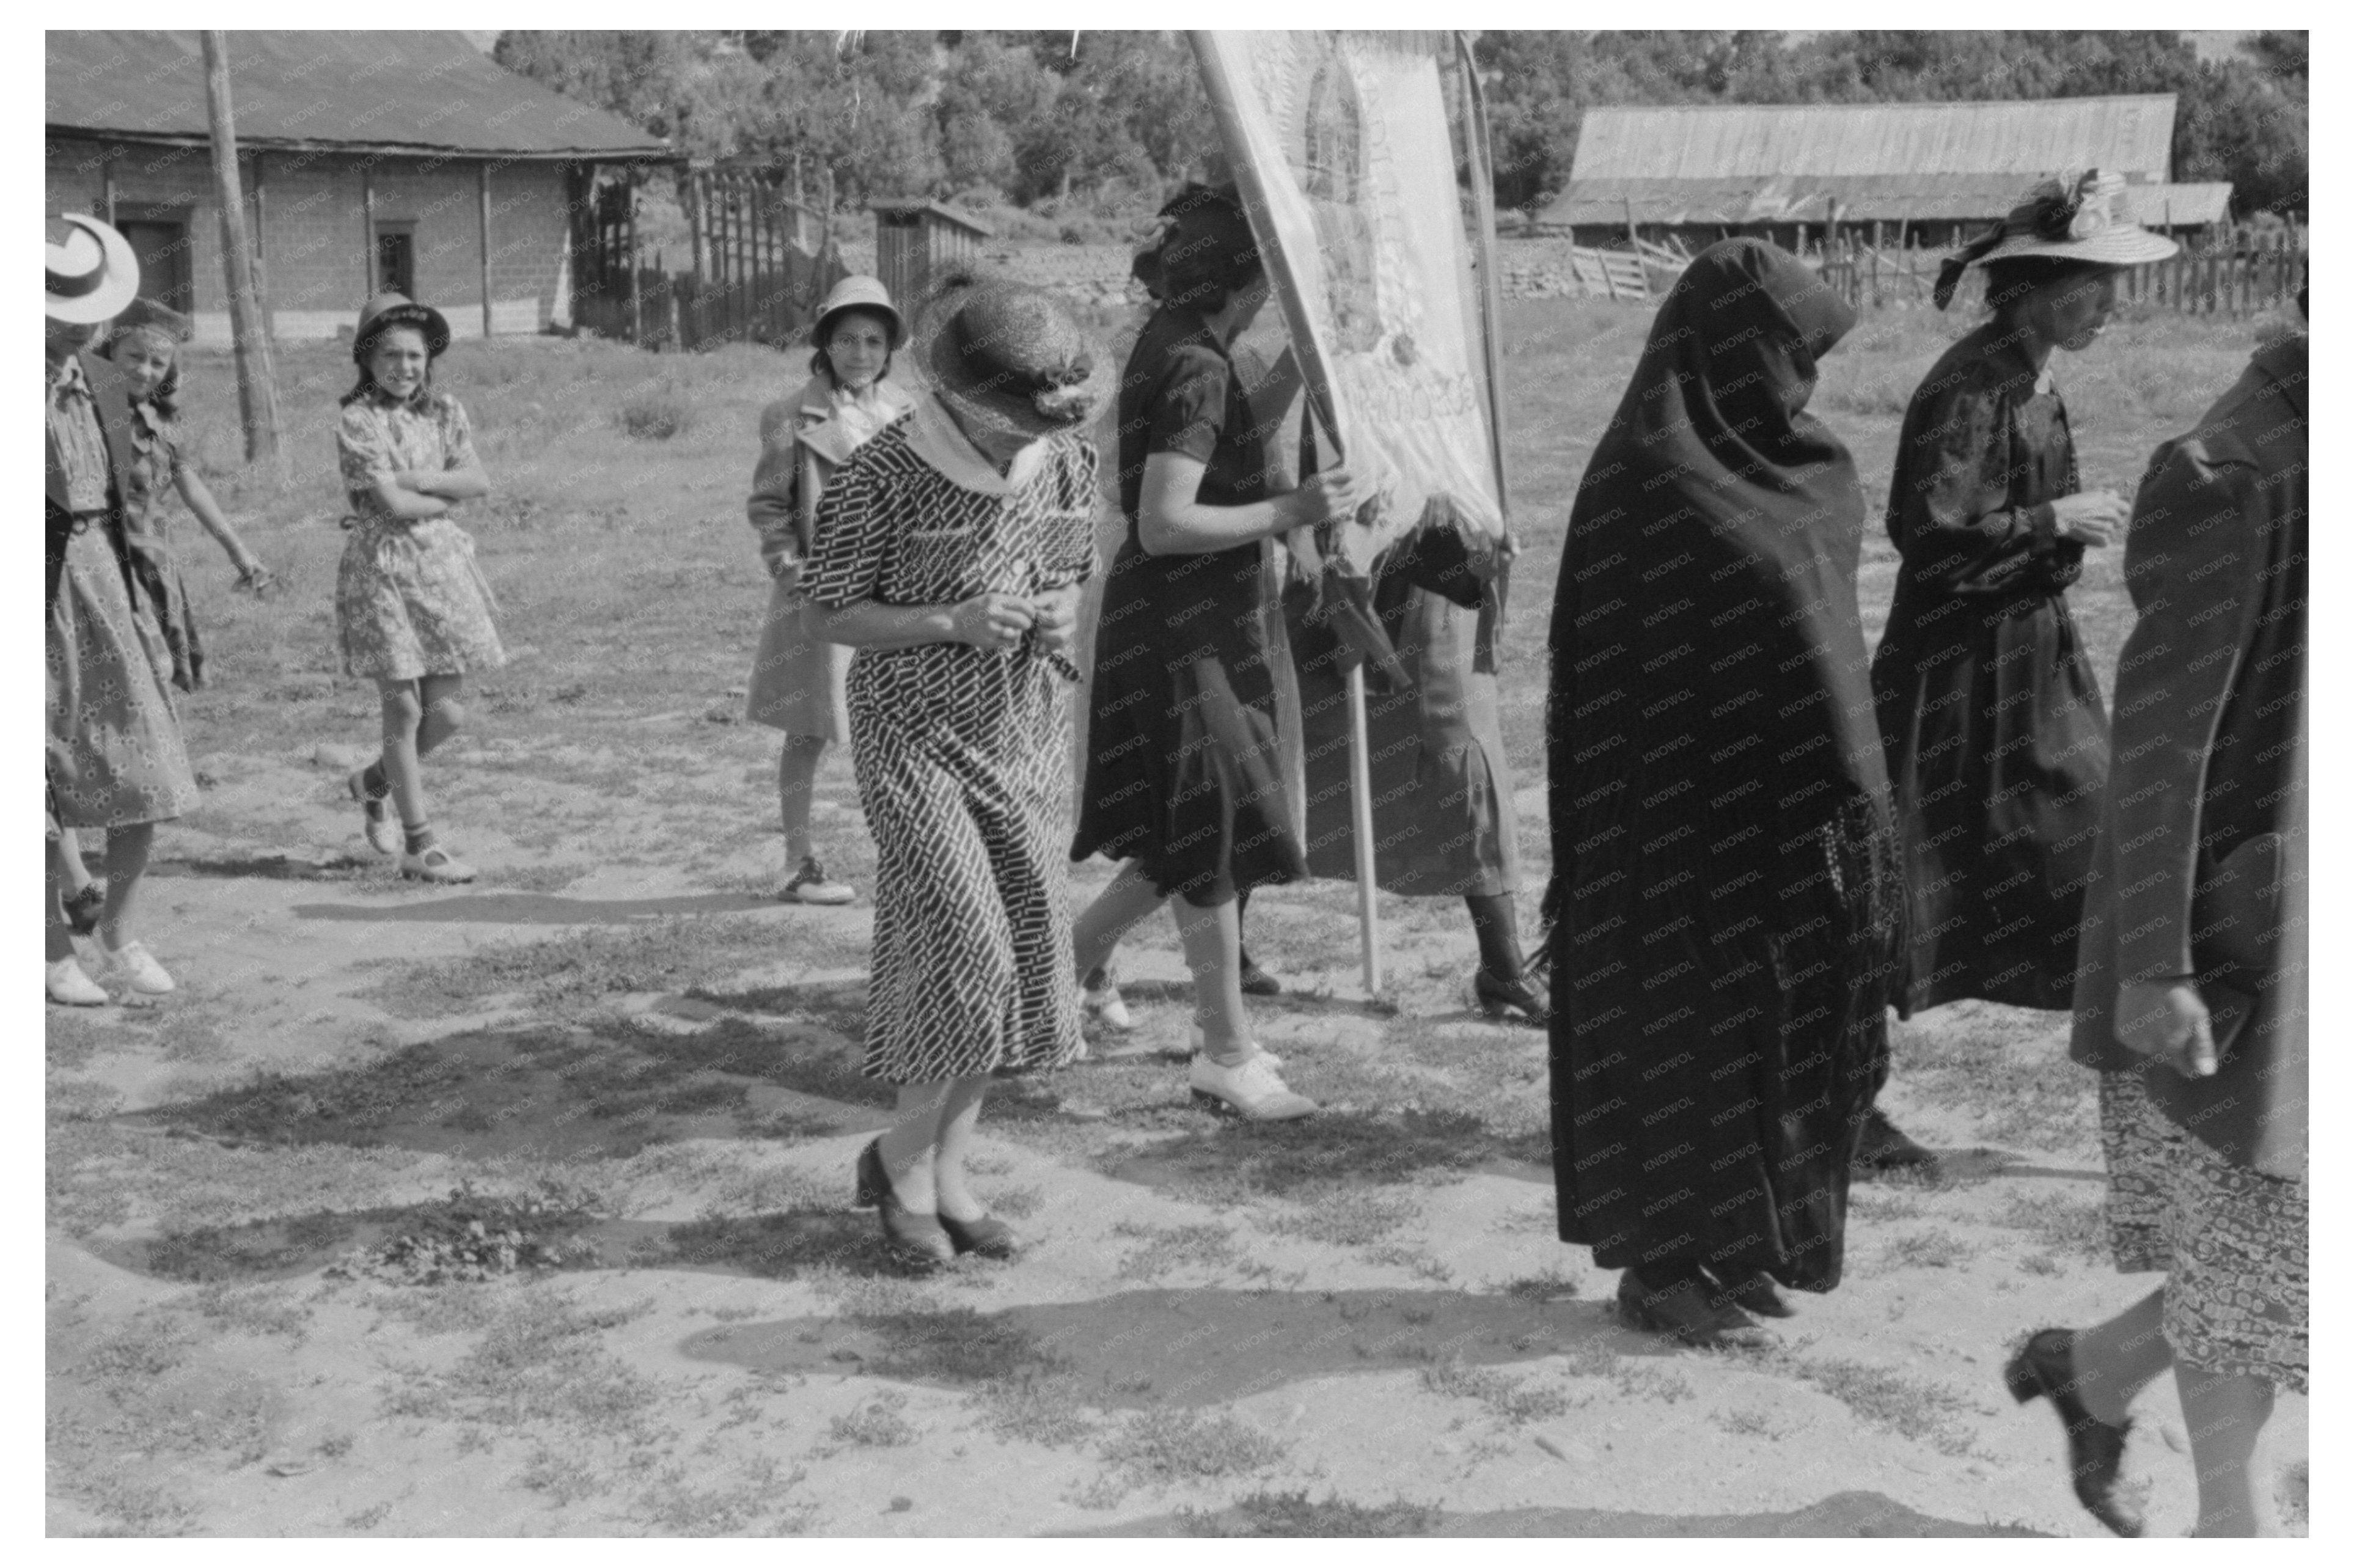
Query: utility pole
{"x":257,"y":386}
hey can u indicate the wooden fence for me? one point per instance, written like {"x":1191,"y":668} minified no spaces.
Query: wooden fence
{"x":2220,"y":281}
{"x":760,"y":264}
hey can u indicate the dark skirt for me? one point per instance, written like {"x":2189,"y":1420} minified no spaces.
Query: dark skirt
{"x":1718,"y":1035}
{"x":1184,"y":776}
{"x":1998,"y":750}
{"x":1443,"y":818}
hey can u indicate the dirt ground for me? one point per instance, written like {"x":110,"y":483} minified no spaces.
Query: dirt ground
{"x":619,"y":1084}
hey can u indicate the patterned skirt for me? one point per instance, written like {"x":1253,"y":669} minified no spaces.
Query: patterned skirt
{"x":2230,"y":1240}
{"x":410,"y":602}
{"x":117,"y":758}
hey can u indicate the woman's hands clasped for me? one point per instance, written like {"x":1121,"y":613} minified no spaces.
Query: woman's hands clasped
{"x":2091,"y":518}
{"x":1056,"y":617}
{"x":995,"y":621}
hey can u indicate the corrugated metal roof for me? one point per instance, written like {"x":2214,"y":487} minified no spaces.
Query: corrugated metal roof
{"x":2132,"y":135}
{"x":1860,"y":199}
{"x":409,"y":92}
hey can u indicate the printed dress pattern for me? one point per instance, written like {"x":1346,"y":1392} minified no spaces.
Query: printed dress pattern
{"x":960,"y":754}
{"x":410,"y":601}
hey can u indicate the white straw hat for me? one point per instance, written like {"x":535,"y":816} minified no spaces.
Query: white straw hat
{"x":2075,"y":220}
{"x":92,"y":275}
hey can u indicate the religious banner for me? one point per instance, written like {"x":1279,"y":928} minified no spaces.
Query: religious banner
{"x":1340,"y":147}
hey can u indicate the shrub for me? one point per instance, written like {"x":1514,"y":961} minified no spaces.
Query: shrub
{"x":657,"y":414}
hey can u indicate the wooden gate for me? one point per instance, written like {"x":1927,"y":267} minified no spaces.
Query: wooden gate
{"x":760,"y":262}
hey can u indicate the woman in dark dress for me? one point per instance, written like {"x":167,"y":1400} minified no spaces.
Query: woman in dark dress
{"x":1183,"y":781}
{"x":1996,"y":744}
{"x":1725,"y":901}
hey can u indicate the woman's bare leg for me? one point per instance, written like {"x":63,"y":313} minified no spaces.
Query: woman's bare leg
{"x":2226,"y":1413}
{"x":443,"y":714}
{"x":910,"y":1146}
{"x":2116,"y":1359}
{"x":960,"y":1111}
{"x":796,"y":789}
{"x":127,"y":849}
{"x":56,"y":941}
{"x":1097,"y":933}
{"x":402,"y":711}
{"x":1212,"y":935}
{"x":66,"y":850}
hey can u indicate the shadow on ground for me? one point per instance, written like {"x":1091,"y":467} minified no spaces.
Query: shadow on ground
{"x":532,"y":908}
{"x":1842,"y":1515}
{"x":1143,"y":1349}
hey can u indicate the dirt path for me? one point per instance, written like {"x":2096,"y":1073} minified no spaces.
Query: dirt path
{"x":1366,"y":1328}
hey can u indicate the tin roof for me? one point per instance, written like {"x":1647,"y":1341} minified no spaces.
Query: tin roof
{"x":1793,"y":198}
{"x":957,"y":216}
{"x":2132,"y":135}
{"x":418,"y":93}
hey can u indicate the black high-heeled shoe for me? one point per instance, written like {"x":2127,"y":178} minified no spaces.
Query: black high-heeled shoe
{"x":1501,"y":999}
{"x":915,"y":1238}
{"x":987,"y":1237}
{"x":2045,"y":1368}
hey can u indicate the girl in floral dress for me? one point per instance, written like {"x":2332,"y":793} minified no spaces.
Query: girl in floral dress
{"x":411,"y":608}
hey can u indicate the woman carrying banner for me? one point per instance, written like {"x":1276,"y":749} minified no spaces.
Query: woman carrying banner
{"x":1183,"y":782}
{"x":1725,"y":899}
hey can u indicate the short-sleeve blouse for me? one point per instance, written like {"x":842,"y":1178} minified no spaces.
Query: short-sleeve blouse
{"x":377,"y":437}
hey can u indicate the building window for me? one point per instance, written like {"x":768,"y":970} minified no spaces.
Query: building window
{"x":395,"y":258}
{"x":160,"y":241}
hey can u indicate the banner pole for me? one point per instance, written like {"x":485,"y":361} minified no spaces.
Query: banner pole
{"x":1480,"y":156}
{"x":1316,"y":378}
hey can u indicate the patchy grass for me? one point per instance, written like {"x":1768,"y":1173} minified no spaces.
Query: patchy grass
{"x":1291,"y":1514}
{"x":1509,"y":1398}
{"x":1350,"y":1217}
{"x":1162,"y":1447}
{"x":1929,"y":1249}
{"x":539,"y":1359}
{"x":2071,"y":1230}
{"x":876,"y":1423}
{"x":1889,"y":1401}
{"x":1163,"y":1249}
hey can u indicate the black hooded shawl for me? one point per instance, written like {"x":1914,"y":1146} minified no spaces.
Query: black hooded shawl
{"x":1725,"y":897}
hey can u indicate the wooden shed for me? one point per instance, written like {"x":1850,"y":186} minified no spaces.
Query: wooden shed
{"x":915,"y":239}
{"x":1930,"y":173}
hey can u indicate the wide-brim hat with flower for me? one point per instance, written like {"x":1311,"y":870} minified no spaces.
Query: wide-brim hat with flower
{"x":1009,"y":358}
{"x":2075,"y":220}
{"x":392,"y":309}
{"x":92,"y":275}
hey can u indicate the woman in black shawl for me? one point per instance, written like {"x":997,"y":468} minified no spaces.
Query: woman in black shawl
{"x":1725,"y":899}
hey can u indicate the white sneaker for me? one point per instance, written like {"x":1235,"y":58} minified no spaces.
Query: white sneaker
{"x":1102,"y":1005}
{"x":1252,"y":1089}
{"x":809,"y":884}
{"x":1200,"y":1047}
{"x":134,"y":966}
{"x":434,"y":864}
{"x":70,"y":986}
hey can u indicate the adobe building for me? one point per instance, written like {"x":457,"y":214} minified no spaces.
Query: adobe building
{"x":370,"y":160}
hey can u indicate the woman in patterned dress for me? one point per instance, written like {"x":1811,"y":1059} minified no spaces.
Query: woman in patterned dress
{"x":116,"y":762}
{"x":949,"y":551}
{"x":413,"y":608}
{"x":800,"y":682}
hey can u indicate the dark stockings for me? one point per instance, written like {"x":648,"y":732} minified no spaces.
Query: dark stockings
{"x":1497,"y":925}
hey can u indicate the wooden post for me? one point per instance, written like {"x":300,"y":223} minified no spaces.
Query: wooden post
{"x":257,"y":392}
{"x":629,"y":217}
{"x":262,"y":246}
{"x":1628,"y":202}
{"x":106,"y":184}
{"x":367,"y":227}
{"x":482,"y":234}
